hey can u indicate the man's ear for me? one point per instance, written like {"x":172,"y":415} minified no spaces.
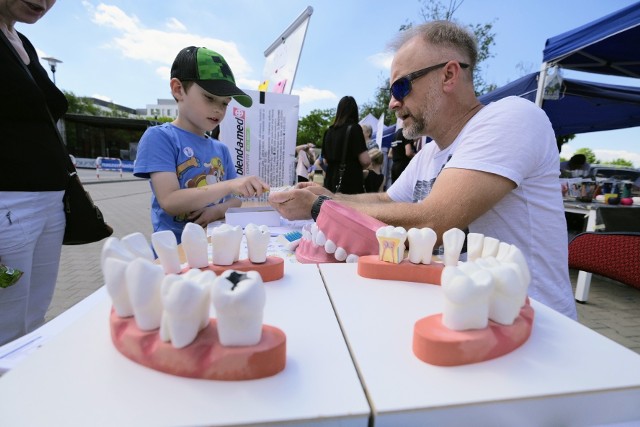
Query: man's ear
{"x":452,"y":76}
{"x":177,"y":90}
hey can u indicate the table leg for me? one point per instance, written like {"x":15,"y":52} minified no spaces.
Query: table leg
{"x":584,"y":278}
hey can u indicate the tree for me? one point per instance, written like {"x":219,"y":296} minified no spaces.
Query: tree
{"x":619,"y":162}
{"x":311,"y":127}
{"x":80,"y":105}
{"x":591,"y":157}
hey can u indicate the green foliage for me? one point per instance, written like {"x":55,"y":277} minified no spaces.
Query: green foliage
{"x":311,"y":128}
{"x":619,"y":162}
{"x":560,"y":140}
{"x":81,"y":105}
{"x":591,"y":157}
{"x":380,"y":104}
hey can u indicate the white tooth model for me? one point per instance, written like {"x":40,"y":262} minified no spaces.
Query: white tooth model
{"x":195,"y":245}
{"x":490,"y":247}
{"x":225,"y":244}
{"x":257,"y":242}
{"x":421,"y":243}
{"x":138,"y":245}
{"x":116,"y":284}
{"x":391,"y":240}
{"x":452,"y":240}
{"x":239,"y":300}
{"x":144,"y":280}
{"x":507,"y":297}
{"x":467,"y":290}
{"x":166,"y":246}
{"x":475,"y":245}
{"x":114,"y":248}
{"x":184,"y":301}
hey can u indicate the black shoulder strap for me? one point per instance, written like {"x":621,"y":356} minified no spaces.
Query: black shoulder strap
{"x":344,"y":147}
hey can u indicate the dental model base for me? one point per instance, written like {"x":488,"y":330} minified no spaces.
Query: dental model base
{"x":205,"y":358}
{"x":161,"y":315}
{"x":270,"y":270}
{"x":486,"y":312}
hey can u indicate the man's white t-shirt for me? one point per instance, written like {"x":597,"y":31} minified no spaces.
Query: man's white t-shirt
{"x":513,"y":138}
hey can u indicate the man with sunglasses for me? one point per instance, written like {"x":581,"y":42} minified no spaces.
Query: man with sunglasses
{"x":492,"y":169}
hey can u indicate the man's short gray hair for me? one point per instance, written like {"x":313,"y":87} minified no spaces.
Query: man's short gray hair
{"x":445,"y":34}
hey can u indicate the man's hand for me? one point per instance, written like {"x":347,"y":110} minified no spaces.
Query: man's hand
{"x":294,"y":204}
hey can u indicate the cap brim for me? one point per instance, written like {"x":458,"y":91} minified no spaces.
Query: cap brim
{"x":226,"y":88}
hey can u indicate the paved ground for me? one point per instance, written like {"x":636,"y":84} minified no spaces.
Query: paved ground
{"x":613,"y":309}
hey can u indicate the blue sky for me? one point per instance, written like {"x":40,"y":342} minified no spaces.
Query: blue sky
{"x":122,"y":50}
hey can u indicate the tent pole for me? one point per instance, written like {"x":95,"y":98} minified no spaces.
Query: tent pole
{"x":542,"y":78}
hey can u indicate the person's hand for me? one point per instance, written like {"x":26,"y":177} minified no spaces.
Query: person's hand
{"x":314,"y":187}
{"x":293,"y":204}
{"x":249,"y":186}
{"x":204,"y":216}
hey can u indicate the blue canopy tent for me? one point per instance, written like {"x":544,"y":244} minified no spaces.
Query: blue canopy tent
{"x":608,"y":45}
{"x":582,"y":106}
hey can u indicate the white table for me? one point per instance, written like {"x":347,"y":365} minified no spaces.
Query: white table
{"x":79,"y":378}
{"x":564,"y":375}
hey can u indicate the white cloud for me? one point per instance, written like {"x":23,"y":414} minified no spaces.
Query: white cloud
{"x":310,"y":94}
{"x":137,"y":42}
{"x":102,"y":97}
{"x":164,"y":72}
{"x":381,"y":60}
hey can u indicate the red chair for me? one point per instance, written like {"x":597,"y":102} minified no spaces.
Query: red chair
{"x":615,"y":255}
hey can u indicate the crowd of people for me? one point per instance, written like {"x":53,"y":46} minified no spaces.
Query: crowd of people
{"x":478,"y":174}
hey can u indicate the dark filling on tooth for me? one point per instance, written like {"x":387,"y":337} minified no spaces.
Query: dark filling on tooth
{"x":235,"y":278}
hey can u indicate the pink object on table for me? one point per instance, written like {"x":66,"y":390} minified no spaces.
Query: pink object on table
{"x":371,"y":267}
{"x":204,"y":358}
{"x":270,"y":270}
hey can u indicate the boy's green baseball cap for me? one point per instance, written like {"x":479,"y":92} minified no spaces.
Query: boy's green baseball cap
{"x":210,"y":71}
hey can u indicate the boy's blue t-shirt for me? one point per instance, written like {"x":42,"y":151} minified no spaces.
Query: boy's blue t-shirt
{"x":196,"y":160}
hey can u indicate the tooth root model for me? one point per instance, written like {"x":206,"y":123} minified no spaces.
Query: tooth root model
{"x":452,"y":241}
{"x":225,"y":244}
{"x":239,"y":300}
{"x":138,"y":245}
{"x":116,"y":284}
{"x":144,"y":279}
{"x":421,"y":243}
{"x":182,"y":315}
{"x":258,"y":238}
{"x":195,"y":245}
{"x":467,"y":291}
{"x":166,"y":246}
{"x":391,"y":243}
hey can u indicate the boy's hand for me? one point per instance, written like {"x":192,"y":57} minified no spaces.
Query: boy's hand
{"x":249,"y":186}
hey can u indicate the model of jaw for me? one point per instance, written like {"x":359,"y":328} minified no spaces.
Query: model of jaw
{"x":225,"y":244}
{"x":144,"y":279}
{"x":391,"y":243}
{"x":195,"y":245}
{"x":340,"y":234}
{"x":239,"y":299}
{"x":509,"y":292}
{"x":185,"y":301}
{"x":467,"y":289}
{"x":421,"y":243}
{"x":166,"y":246}
{"x":258,"y":238}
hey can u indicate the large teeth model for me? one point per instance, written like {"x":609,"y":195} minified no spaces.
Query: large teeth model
{"x":183,"y":301}
{"x":452,"y":240}
{"x":166,"y":246}
{"x":195,"y":245}
{"x":475,"y":244}
{"x":257,"y":242}
{"x":239,"y":300}
{"x":144,"y":279}
{"x":114,"y":248}
{"x":509,"y":292}
{"x":225,"y":244}
{"x":391,"y":240}
{"x":467,"y":290}
{"x":138,"y":245}
{"x":490,"y":247}
{"x":116,"y":284}
{"x":421,"y":243}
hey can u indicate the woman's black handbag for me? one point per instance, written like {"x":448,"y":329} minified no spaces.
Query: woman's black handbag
{"x":85,"y":223}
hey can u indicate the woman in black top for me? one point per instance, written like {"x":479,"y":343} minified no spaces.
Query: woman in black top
{"x":356,"y":156}
{"x":33,"y":176}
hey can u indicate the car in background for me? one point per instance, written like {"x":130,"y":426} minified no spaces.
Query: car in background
{"x":603,"y":172}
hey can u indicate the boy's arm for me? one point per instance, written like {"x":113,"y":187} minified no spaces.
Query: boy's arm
{"x":209,"y":214}
{"x":176,"y":201}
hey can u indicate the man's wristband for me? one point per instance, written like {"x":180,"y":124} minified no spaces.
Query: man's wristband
{"x":315,"y":208}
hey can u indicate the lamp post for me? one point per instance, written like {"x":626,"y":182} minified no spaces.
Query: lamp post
{"x":53,"y":63}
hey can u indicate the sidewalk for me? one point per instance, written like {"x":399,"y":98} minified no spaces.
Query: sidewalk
{"x":613,"y":309}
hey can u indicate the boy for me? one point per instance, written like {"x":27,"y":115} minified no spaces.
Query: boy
{"x":192,"y":175}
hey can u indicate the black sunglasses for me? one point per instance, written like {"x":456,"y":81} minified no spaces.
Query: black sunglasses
{"x":402,"y":86}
